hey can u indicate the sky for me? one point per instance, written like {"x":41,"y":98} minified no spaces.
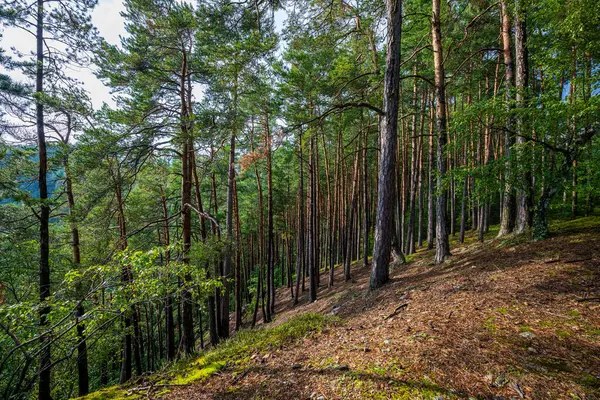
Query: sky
{"x":107,"y":18}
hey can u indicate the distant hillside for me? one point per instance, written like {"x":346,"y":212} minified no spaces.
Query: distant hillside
{"x":54,"y":177}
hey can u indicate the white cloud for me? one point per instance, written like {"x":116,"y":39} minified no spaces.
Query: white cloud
{"x":106,"y":17}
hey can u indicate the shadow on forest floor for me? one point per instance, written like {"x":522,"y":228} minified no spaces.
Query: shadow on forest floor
{"x":502,"y":319}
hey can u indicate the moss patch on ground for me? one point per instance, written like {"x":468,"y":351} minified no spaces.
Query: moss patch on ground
{"x":237,"y":351}
{"x":112,"y":392}
{"x":233,"y":352}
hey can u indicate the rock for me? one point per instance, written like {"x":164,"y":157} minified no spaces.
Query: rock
{"x":527,"y":335}
{"x":387,"y":341}
{"x":532,"y":350}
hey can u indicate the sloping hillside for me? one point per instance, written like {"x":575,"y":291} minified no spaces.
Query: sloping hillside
{"x":499,"y":320}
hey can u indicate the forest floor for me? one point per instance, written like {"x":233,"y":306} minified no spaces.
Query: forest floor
{"x":506,"y":319}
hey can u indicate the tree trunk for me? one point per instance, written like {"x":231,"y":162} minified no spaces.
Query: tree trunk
{"x":300,"y":234}
{"x":224,"y":333}
{"x":238,"y":267}
{"x":126,"y":277}
{"x":414,"y":174}
{"x":44,"y":390}
{"x":82,"y":361}
{"x":431,"y":186}
{"x":442,"y":245}
{"x":507,"y":221}
{"x":312,"y":229}
{"x":365,"y":199}
{"x":270,"y":238}
{"x":524,"y":197}
{"x":351,"y":219}
{"x":384,"y":226}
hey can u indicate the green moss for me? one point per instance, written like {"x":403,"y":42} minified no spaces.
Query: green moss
{"x":502,"y":310}
{"x":197,"y":374}
{"x":410,"y":390}
{"x":368,"y":386}
{"x":409,"y":258}
{"x":589,"y":381}
{"x":546,"y":324}
{"x":515,"y":240}
{"x":490,"y":325}
{"x":574,"y":224}
{"x":594,"y":332}
{"x":554,"y":365}
{"x":110,"y":393}
{"x":235,"y":351}
{"x":377,"y":370}
{"x":561,"y":333}
{"x":525,"y":328}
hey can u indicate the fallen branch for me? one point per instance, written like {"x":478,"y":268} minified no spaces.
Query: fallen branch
{"x":396,"y":310}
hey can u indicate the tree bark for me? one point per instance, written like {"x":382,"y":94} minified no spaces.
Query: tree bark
{"x":384,"y":226}
{"x":300,"y":234}
{"x":507,"y":221}
{"x":82,"y":361}
{"x":312,"y":228}
{"x":187,"y":328}
{"x":431,"y":186}
{"x":170,"y":326}
{"x":44,"y":388}
{"x":270,"y":237}
{"x":524,"y":197}
{"x":442,"y":245}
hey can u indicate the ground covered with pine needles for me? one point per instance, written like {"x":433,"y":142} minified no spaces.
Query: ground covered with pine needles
{"x":509,"y":319}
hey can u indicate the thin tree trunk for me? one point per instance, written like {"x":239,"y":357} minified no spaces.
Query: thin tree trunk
{"x":224,"y":333}
{"x":187,"y":328}
{"x":82,"y":362}
{"x":312,"y":229}
{"x":44,"y":388}
{"x":442,"y":243}
{"x":270,"y":236}
{"x":351,"y":219}
{"x":238,"y":269}
{"x":300,"y":235}
{"x":431,"y":186}
{"x":125,"y":275}
{"x":365,"y":199}
{"x":410,"y":235}
{"x":170,"y":326}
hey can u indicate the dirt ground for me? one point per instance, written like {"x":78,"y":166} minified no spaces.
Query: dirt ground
{"x":498,"y":320}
